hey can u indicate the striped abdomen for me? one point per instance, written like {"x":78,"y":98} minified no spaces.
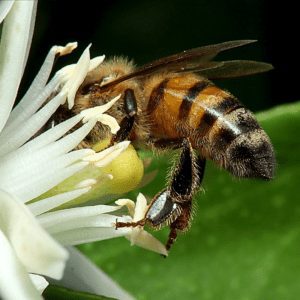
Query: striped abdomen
{"x":219,"y":126}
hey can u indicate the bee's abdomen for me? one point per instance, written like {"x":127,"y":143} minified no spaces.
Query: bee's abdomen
{"x":229,"y":134}
{"x":223,"y":121}
{"x":213,"y":114}
{"x":216,"y":122}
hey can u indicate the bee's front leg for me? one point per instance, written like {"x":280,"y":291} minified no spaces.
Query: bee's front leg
{"x":126,"y":125}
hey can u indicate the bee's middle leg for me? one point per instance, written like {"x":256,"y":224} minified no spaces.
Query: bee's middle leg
{"x":126,"y":125}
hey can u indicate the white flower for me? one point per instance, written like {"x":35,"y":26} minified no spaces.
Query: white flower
{"x":25,"y":247}
{"x":30,"y":167}
{"x":137,"y":235}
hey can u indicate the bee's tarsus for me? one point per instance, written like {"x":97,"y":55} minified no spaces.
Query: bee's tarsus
{"x":130,"y":224}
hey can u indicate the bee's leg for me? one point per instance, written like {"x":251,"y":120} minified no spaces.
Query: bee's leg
{"x":172,"y":237}
{"x":180,"y":224}
{"x":186,"y":178}
{"x":126,"y":125}
{"x":188,"y":173}
{"x":129,"y":224}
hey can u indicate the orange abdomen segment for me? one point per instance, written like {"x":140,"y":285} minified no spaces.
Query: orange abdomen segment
{"x":178,"y":105}
{"x":164,"y":104}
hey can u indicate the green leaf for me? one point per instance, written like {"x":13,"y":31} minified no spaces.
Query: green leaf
{"x":59,"y":293}
{"x":244,"y":242}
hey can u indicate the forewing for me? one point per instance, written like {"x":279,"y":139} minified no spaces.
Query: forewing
{"x":184,"y":61}
{"x":192,"y":57}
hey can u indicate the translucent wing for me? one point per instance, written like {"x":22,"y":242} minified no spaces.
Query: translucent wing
{"x":231,"y":69}
{"x":186,"y":61}
{"x":189,"y":58}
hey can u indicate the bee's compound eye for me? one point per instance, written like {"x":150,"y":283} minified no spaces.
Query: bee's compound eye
{"x":162,"y":210}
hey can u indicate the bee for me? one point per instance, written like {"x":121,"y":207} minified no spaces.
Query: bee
{"x":171,"y":103}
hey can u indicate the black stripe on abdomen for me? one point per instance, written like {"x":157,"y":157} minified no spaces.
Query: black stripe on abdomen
{"x":157,"y":95}
{"x":245,"y":122}
{"x":228,"y":105}
{"x":223,"y":138}
{"x":211,"y":115}
{"x":207,"y":122}
{"x":190,"y":97}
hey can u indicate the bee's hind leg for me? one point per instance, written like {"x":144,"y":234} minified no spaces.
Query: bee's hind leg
{"x":185,"y":181}
{"x":126,"y":125}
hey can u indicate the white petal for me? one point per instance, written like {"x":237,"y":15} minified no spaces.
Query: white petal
{"x":83,"y":224}
{"x":106,"y":156}
{"x":109,"y":121}
{"x":37,"y":251}
{"x":64,"y":50}
{"x":61,"y":217}
{"x":30,"y":34}
{"x":37,"y":94}
{"x":78,"y":75}
{"x":51,"y":135}
{"x":145,"y":240}
{"x":102,"y":220}
{"x":70,"y":141}
{"x":95,"y":112}
{"x":39,"y":169}
{"x":82,"y":275}
{"x":15,"y":39}
{"x":24,"y":111}
{"x":5,"y":7}
{"x":95,"y":62}
{"x":67,"y":72}
{"x":88,"y":235}
{"x":39,"y":282}
{"x":129,"y":203}
{"x":15,"y":282}
{"x":46,"y":182}
{"x":47,"y":204}
{"x":27,"y":177}
{"x":140,"y":208}
{"x":26,"y":130}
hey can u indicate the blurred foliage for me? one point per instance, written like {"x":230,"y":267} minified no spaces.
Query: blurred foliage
{"x":244,"y":242}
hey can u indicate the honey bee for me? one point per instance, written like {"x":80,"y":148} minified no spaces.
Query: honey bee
{"x":171,"y":103}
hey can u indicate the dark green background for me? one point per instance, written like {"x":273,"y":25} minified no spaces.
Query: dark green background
{"x":146,"y":30}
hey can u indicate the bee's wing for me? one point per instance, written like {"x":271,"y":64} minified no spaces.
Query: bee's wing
{"x":231,"y":69}
{"x":191,"y":57}
{"x":182,"y":62}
